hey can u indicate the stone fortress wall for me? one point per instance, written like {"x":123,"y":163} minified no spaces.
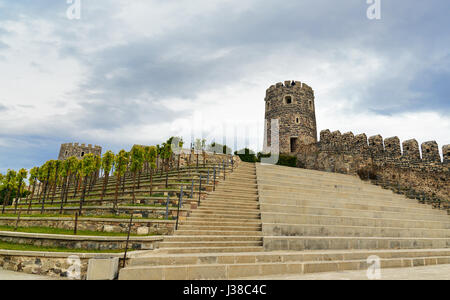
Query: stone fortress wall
{"x":407,"y":169}
{"x":292,"y":103}
{"x":77,"y":150}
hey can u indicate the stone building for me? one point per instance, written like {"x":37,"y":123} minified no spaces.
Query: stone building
{"x":401,"y":164}
{"x":77,"y":150}
{"x":292,"y":104}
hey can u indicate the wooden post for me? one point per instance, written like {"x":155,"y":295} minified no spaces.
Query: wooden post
{"x":18,"y":218}
{"x":179,"y":204}
{"x":76,"y":224}
{"x":167,"y":207}
{"x":128,"y":240}
{"x":200,"y":190}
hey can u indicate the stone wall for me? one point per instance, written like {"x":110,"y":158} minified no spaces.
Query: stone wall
{"x":48,"y":264}
{"x":80,"y":242}
{"x":154,"y":227}
{"x":292,"y":103}
{"x":406,"y":169}
{"x":77,"y":150}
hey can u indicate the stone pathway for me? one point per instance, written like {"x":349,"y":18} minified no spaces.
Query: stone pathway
{"x":439,"y":272}
{"x":9,"y":275}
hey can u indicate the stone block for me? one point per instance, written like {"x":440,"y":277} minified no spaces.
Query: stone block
{"x":103,"y":268}
{"x":143,"y":230}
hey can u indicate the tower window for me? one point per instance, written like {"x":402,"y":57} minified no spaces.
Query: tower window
{"x":288,"y":99}
{"x":82,"y":154}
{"x":297,"y":120}
{"x":310,"y":104}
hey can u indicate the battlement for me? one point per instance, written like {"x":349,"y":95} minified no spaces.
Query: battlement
{"x":388,"y":148}
{"x":75,"y":149}
{"x":376,"y":145}
{"x":289,"y":84}
{"x":89,"y":146}
{"x":411,"y":149}
{"x":392,"y":147}
{"x":446,"y":153}
{"x":430,"y":151}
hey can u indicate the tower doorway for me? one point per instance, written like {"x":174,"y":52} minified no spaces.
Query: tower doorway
{"x":294,"y":144}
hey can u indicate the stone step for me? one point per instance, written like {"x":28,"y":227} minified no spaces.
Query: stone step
{"x":351,"y":221}
{"x":200,"y":231}
{"x":232,"y":199}
{"x":275,"y":243}
{"x":152,"y":259}
{"x":236,"y":191}
{"x":211,"y":238}
{"x":287,"y":171}
{"x":317,"y":190}
{"x":351,"y":181}
{"x":217,"y":205}
{"x":337,"y":203}
{"x":274,"y":217}
{"x":300,"y":177}
{"x":351,"y":231}
{"x":217,"y":216}
{"x":202,"y":244}
{"x":282,"y":197}
{"x":213,"y":228}
{"x":228,"y":211}
{"x":217,"y":222}
{"x":211,"y":249}
{"x":245,"y":270}
{"x":414,"y":213}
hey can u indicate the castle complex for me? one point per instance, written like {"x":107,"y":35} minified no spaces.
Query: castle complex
{"x":292,"y":103}
{"x":77,"y":150}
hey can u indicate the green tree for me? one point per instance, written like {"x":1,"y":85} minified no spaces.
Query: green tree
{"x":9,"y":185}
{"x":20,"y":176}
{"x":107,"y":164}
{"x":88,"y":167}
{"x":121,"y":162}
{"x":32,"y":180}
{"x":152,"y":154}
{"x":137,"y":160}
{"x":46,"y":171}
{"x":56,"y":176}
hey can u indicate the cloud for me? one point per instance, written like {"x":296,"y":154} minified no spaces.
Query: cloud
{"x":137,"y":72}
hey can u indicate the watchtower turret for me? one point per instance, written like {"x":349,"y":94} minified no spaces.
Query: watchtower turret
{"x":292,"y":103}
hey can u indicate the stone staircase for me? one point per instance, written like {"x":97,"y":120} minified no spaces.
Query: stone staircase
{"x":308,"y":221}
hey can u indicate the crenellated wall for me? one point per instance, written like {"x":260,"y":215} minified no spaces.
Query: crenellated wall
{"x":402,"y":166}
{"x":77,"y":150}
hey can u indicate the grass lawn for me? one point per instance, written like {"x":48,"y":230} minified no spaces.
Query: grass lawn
{"x":120,"y":217}
{"x":50,"y":230}
{"x":20,"y":247}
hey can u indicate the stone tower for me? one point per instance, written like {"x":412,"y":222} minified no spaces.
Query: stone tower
{"x":292,"y":103}
{"x":77,"y":150}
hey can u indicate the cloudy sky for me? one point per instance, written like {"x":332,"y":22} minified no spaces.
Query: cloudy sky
{"x":140,"y":71}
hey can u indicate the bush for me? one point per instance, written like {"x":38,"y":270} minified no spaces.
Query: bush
{"x":283,"y":160}
{"x":248,"y":156}
{"x":287,"y":160}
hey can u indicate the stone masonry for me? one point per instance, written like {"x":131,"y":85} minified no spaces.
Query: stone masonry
{"x":400,"y":164}
{"x":77,"y":150}
{"x":292,"y":103}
